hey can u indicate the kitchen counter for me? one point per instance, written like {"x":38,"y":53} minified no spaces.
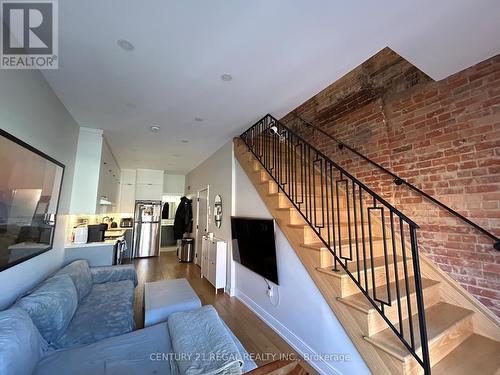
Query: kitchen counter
{"x":96,"y":253}
{"x":90,"y":244}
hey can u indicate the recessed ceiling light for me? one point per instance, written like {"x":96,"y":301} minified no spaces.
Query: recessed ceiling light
{"x":199,"y":119}
{"x":226,"y":77}
{"x":155,"y":129}
{"x":130,"y":105}
{"x":175,"y":155}
{"x":125,"y":45}
{"x":184,"y":141}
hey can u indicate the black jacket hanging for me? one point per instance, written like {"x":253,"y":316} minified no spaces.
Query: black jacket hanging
{"x":183,"y":222}
{"x":164,"y":212}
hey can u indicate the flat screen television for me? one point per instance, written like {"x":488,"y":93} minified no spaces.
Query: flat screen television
{"x":30,"y":184}
{"x":254,"y":247}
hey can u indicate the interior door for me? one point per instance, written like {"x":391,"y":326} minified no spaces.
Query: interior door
{"x":201,"y":222}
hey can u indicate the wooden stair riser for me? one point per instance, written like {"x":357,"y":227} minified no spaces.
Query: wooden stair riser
{"x":348,"y":287}
{"x":372,"y":321}
{"x":311,"y":236}
{"x":378,"y":249}
{"x":297,"y":190}
{"x":441,"y":347}
{"x":283,"y":199}
{"x":376,"y":322}
{"x":297,"y":218}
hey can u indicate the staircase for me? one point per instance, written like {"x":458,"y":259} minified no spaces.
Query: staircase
{"x":404,"y":315}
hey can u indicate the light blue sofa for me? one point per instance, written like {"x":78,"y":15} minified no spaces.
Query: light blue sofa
{"x":80,"y":305}
{"x":80,"y":321}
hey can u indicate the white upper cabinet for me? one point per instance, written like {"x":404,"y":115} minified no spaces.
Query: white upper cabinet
{"x":148,"y":192}
{"x":109,"y":181}
{"x":149,"y":184}
{"x":127,"y":192}
{"x":149,"y":177}
{"x":140,"y":184}
{"x":87,"y":172}
{"x":128,"y":176}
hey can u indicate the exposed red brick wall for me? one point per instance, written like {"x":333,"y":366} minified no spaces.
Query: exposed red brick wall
{"x":443,"y":137}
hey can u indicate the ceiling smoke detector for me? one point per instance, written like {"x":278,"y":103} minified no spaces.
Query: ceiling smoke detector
{"x":125,"y":45}
{"x":226,"y":77}
{"x":155,"y":129}
{"x":184,"y":141}
{"x":198,"y":119}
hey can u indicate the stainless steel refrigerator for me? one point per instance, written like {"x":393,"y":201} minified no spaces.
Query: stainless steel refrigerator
{"x":147,"y":221}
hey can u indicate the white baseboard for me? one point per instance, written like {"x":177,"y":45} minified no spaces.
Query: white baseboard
{"x":293,"y":340}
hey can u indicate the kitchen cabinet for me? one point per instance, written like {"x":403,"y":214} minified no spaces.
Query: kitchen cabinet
{"x":149,"y":176}
{"x":149,"y":184}
{"x":109,"y":181}
{"x":213,"y":261}
{"x":96,"y":175}
{"x":148,"y":192}
{"x":127,"y":192}
{"x":139,"y":184}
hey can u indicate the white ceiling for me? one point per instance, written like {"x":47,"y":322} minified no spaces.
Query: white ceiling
{"x":279,"y":52}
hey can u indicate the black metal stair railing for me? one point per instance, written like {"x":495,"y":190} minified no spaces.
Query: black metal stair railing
{"x":357,"y":225}
{"x":397,"y":180}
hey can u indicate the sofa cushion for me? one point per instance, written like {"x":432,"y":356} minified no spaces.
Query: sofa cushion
{"x":111,"y":274}
{"x":79,"y":271}
{"x":51,"y":306}
{"x":107,"y":311}
{"x":146,"y":351}
{"x":21,"y":345}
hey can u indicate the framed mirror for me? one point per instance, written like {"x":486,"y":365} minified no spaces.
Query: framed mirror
{"x":218,"y":210}
{"x":30,"y":185}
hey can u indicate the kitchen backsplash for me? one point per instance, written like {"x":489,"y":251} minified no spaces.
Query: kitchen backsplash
{"x":74,"y":220}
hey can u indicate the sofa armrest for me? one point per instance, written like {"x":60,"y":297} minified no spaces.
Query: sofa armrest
{"x":107,"y":274}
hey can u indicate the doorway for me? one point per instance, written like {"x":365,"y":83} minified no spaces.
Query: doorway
{"x":202,"y":213}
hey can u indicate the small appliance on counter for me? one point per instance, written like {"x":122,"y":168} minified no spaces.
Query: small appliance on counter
{"x":96,"y":232}
{"x":126,"y":222}
{"x":80,"y":234}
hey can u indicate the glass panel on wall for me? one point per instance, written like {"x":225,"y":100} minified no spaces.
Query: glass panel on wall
{"x":30,"y":182}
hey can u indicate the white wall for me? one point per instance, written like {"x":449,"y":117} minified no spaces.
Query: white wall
{"x":173,"y":184}
{"x":30,"y":111}
{"x":297,"y":311}
{"x":302,"y":316}
{"x":216,"y":172}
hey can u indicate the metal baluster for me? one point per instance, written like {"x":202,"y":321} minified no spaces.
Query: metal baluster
{"x":396,"y":276}
{"x":363,"y":236}
{"x":338,"y":215}
{"x":420,"y":302}
{"x":356,"y":229}
{"x":407,"y":286}
{"x":332,"y":179}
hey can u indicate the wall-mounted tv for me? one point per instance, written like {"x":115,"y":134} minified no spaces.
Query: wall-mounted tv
{"x":30,"y":183}
{"x":254,"y":247}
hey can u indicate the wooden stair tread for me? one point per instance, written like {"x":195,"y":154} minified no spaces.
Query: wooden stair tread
{"x":360,"y":302}
{"x":345,"y":242}
{"x":439,"y":319}
{"x":341,"y":209}
{"x":378,"y":262}
{"x":476,"y":355}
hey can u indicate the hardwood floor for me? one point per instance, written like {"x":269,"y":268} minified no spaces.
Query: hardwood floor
{"x":257,"y":338}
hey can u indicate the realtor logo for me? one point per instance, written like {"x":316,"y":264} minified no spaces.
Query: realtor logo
{"x":29,"y":35}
